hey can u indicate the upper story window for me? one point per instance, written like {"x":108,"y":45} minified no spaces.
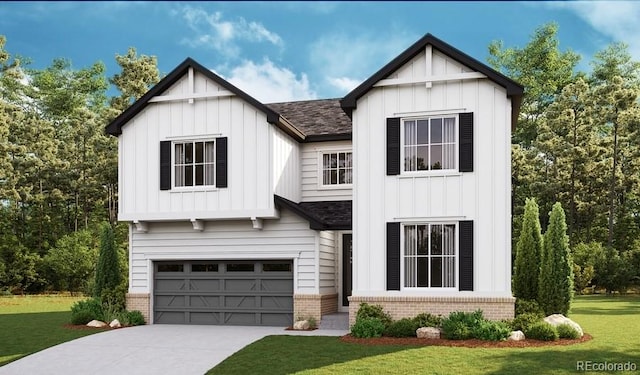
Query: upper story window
{"x":429,"y":256}
{"x":337,"y":168}
{"x":194,"y":163}
{"x":430,"y":144}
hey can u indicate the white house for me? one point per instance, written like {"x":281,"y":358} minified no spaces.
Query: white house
{"x":248,"y":213}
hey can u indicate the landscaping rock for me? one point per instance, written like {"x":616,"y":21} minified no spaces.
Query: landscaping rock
{"x":559,"y":319}
{"x":428,"y":333}
{"x":516,"y":336}
{"x":96,"y":323}
{"x":115,"y":323}
{"x":301,"y":325}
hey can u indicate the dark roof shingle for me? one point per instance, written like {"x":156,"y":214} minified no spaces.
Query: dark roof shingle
{"x":324,"y":215}
{"x":323,"y":117}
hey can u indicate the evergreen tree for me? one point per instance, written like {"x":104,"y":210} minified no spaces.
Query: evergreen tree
{"x":108,"y":275}
{"x":528,"y":252}
{"x":556,"y":273}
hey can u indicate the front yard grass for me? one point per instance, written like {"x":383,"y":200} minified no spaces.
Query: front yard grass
{"x":614,"y":323}
{"x":31,"y":323}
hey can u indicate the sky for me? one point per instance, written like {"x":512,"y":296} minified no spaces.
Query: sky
{"x":286,"y":51}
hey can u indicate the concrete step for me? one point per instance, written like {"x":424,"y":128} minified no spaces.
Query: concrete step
{"x":335,"y":321}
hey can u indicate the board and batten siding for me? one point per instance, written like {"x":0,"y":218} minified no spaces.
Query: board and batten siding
{"x":311,"y":178}
{"x":482,"y":195}
{"x":286,"y":238}
{"x":253,"y":144}
{"x":327,"y":262}
{"x":285,"y":165}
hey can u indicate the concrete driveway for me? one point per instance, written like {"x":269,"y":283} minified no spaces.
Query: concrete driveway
{"x":150,"y":349}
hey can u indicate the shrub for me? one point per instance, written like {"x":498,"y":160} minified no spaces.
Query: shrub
{"x":373,"y":311}
{"x":81,"y":317}
{"x":115,"y":297}
{"x":492,"y":331}
{"x":528,"y":252}
{"x":367,"y":327}
{"x":135,"y":318}
{"x":566,"y":331}
{"x":525,"y":306}
{"x":541,"y":331}
{"x":108,"y":273}
{"x":523,"y":321}
{"x":460,"y":325}
{"x":91,"y":305}
{"x":427,"y":320}
{"x":402,"y":328}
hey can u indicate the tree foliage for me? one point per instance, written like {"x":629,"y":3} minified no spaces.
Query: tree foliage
{"x":108,"y":274}
{"x":528,"y":252}
{"x":556,"y":272}
{"x":72,"y":261}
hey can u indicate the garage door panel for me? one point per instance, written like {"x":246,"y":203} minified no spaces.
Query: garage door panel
{"x":224,"y":292}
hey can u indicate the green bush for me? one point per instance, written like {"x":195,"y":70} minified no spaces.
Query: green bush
{"x":81,"y":317}
{"x":525,"y":306}
{"x":402,"y":328}
{"x":492,"y":331}
{"x":115,"y":297}
{"x":91,"y":305}
{"x":523,"y":321}
{"x":135,"y":318}
{"x":367,"y":327}
{"x":460,"y":325}
{"x":373,"y":311}
{"x":541,"y":331}
{"x":566,"y":331}
{"x":427,"y":320}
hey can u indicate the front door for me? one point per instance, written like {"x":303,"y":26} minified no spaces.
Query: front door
{"x":347,"y":266}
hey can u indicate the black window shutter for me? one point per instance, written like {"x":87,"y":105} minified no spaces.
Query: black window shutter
{"x":165,"y":165}
{"x":465,"y":237}
{"x":393,"y":256}
{"x":393,"y":146}
{"x":466,"y":142}
{"x":221,"y":162}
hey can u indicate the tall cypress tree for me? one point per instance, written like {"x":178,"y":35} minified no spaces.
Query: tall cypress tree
{"x":556,"y":273}
{"x":528,"y":252}
{"x":108,"y":275}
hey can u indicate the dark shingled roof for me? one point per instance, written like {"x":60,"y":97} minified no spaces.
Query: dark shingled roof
{"x":324,"y":215}
{"x":322,"y":119}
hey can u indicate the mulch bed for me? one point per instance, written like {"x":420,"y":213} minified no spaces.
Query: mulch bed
{"x":474,"y":343}
{"x":82,"y":327}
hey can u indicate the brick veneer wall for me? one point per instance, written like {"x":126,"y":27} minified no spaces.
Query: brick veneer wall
{"x":495,"y":308}
{"x":314,"y":305}
{"x":140,"y":302}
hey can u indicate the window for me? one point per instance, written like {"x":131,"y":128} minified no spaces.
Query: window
{"x":429,"y":256}
{"x":337,"y":168}
{"x":194,"y":163}
{"x":429,"y":144}
{"x":170,"y":267}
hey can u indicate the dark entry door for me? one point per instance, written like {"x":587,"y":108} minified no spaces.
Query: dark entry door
{"x":347,"y":268}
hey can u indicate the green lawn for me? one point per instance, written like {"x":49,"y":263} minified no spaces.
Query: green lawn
{"x":31,"y":323}
{"x":614,"y":323}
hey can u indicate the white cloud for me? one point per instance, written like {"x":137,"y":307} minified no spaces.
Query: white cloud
{"x":269,"y":83}
{"x":345,"y":84}
{"x":615,"y":19}
{"x":355,"y":55}
{"x":213,"y":31}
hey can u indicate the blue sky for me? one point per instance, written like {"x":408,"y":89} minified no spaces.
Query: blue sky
{"x":280,"y":51}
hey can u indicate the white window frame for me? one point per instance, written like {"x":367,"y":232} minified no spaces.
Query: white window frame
{"x":455,"y":168}
{"x":456,"y":278}
{"x":194,"y":187}
{"x":320,"y":158}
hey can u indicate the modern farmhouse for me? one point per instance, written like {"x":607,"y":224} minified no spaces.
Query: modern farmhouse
{"x":249,"y":213}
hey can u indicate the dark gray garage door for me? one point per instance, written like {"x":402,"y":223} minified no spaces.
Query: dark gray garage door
{"x":224,"y":292}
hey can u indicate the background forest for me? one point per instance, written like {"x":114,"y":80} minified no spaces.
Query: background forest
{"x":576,"y":142}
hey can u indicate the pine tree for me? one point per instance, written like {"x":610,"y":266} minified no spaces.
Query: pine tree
{"x":528,"y":252}
{"x":108,"y":275}
{"x":555,"y":289}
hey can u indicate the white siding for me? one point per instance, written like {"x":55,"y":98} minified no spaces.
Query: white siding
{"x":311,"y":178}
{"x":327,"y":263}
{"x":286,"y":165}
{"x":249,"y":154}
{"x":482,"y":196}
{"x":286,"y":238}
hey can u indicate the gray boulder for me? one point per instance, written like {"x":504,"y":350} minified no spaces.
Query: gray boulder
{"x":516,"y":336}
{"x":428,"y":333}
{"x":559,"y":319}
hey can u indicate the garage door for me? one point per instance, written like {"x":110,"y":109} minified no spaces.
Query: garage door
{"x":224,"y":292}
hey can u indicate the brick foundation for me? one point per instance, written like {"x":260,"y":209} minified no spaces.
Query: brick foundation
{"x":494,"y":308}
{"x":314,"y":305}
{"x":140,"y":302}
